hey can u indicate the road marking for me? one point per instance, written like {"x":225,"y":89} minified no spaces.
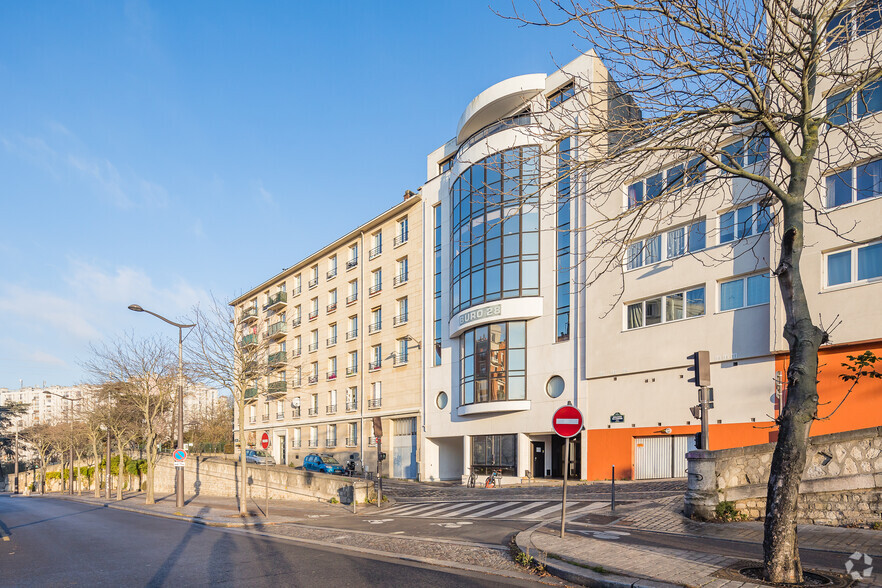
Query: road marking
{"x":519,"y":510}
{"x":591,"y":507}
{"x":411,"y":509}
{"x":543,"y":513}
{"x":455,"y":525}
{"x":458,"y":512}
{"x":489,"y":510}
{"x":437,"y":511}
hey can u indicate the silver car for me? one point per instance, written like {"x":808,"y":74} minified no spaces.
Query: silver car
{"x":259,"y":457}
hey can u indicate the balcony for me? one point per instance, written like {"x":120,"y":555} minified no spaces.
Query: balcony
{"x":375,"y":365}
{"x":249,"y":367}
{"x":313,"y":380}
{"x":332,"y":273}
{"x":295,"y":383}
{"x":375,"y":289}
{"x":252,"y":420}
{"x":352,"y":263}
{"x":295,"y":444}
{"x":376,"y":251}
{"x":399,"y":359}
{"x":277,"y":387}
{"x":375,"y":327}
{"x":330,"y":443}
{"x":351,"y":371}
{"x":331,"y":307}
{"x":248,"y":341}
{"x":295,"y":291}
{"x":331,"y":409}
{"x":399,"y":240}
{"x":248,"y":315}
{"x":313,"y":442}
{"x":351,"y":442}
{"x":313,"y":314}
{"x":276,"y":301}
{"x":295,"y":412}
{"x":351,"y":299}
{"x":296,"y":353}
{"x":399,"y":279}
{"x":350,"y":335}
{"x":276,"y":359}
{"x":400,"y":319}
{"x":295,"y":322}
{"x":280,"y":416}
{"x":375,"y":402}
{"x":313,"y":347}
{"x":312,"y":283}
{"x":265,"y":418}
{"x":352,"y":406}
{"x":250,"y":393}
{"x":313,"y":411}
{"x":277,"y":330}
{"x":331,"y":376}
{"x":332,"y":341}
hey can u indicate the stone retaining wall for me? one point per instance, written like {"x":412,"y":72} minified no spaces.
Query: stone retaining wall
{"x":842,"y":483}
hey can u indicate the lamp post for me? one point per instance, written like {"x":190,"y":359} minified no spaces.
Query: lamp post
{"x":70,"y":400}
{"x":179,"y":472}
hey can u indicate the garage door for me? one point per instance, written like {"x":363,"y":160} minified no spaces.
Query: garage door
{"x":662,"y":456}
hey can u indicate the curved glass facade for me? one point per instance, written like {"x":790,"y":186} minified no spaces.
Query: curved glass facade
{"x":494,"y":363}
{"x":495,"y":229}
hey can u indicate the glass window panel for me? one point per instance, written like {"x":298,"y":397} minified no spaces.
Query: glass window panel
{"x":763,"y":218}
{"x":494,"y":280}
{"x":697,"y":236}
{"x":635,"y":315}
{"x":517,"y":360}
{"x":652,"y":253}
{"x":745,"y":221}
{"x":869,"y":260}
{"x":493,"y":226}
{"x":530,"y":243}
{"x":757,"y":290}
{"x":837,"y":29}
{"x":675,"y":178}
{"x":695,"y":302}
{"x":563,"y":238}
{"x":478,"y":285}
{"x":653,"y":311}
{"x":469,"y":344}
{"x":465,"y":290}
{"x":635,"y":194}
{"x":563,"y":296}
{"x":468,"y":392}
{"x":474,"y":256}
{"x":695,"y":171}
{"x":676,"y":242}
{"x":517,"y":334}
{"x":493,"y":165}
{"x":494,"y":249}
{"x":757,"y":149}
{"x":839,"y":189}
{"x":869,"y":180}
{"x":517,"y":387}
{"x":511,"y":246}
{"x":563,"y":326}
{"x":839,"y":112}
{"x":839,"y":268}
{"x":530,"y":218}
{"x":733,"y":154}
{"x":868,"y":17}
{"x":511,"y":276}
{"x":512,"y":223}
{"x":674,"y":307}
{"x":530,"y":277}
{"x":654,"y":186}
{"x":635,"y":255}
{"x":482,"y":390}
{"x":477,"y":230}
{"x":731,"y":294}
{"x":727,"y":227}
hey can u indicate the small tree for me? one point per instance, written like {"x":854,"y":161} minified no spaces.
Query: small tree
{"x":41,"y":439}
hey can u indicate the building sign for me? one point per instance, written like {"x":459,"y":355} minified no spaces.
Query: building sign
{"x":481,"y":313}
{"x":617,"y":418}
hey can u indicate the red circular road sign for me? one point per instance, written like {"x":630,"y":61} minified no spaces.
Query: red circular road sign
{"x":567,"y":421}
{"x":264,"y":440}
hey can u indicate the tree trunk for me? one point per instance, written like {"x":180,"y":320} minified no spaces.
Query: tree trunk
{"x":780,"y":546}
{"x":151,"y":458}
{"x":243,"y":464}
{"x":96,"y":476}
{"x":120,"y":468}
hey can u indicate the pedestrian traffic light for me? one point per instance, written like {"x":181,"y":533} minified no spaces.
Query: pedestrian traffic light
{"x":381,"y":456}
{"x":698,"y":441}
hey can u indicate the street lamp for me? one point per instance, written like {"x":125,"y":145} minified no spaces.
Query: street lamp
{"x":179,"y":472}
{"x":70,"y":400}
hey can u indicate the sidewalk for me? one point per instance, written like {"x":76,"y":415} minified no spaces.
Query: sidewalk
{"x":654,"y":545}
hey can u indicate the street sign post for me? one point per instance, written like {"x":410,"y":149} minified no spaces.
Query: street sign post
{"x":566,"y":422}
{"x":264,"y":444}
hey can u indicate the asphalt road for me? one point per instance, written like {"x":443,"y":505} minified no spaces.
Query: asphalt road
{"x":45,"y":542}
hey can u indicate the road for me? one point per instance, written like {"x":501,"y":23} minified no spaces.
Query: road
{"x":57,"y":543}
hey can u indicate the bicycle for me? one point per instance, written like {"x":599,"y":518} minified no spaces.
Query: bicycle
{"x":472,"y":478}
{"x":494,"y":479}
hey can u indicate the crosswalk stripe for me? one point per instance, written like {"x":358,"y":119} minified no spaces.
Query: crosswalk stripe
{"x":411,"y":509}
{"x":489,"y":510}
{"x":460,"y":511}
{"x":591,"y":507}
{"x":437,"y":511}
{"x":542,"y":513}
{"x":519,"y":510}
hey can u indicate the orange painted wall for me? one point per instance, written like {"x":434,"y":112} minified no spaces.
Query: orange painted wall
{"x":862,"y":408}
{"x":616,"y":446}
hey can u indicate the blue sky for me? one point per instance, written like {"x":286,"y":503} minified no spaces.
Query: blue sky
{"x":157,"y":152}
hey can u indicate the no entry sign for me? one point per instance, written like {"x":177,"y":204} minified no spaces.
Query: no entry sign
{"x":264,"y":441}
{"x":567,"y":421}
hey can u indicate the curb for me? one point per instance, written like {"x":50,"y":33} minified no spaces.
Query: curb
{"x":583,"y":576}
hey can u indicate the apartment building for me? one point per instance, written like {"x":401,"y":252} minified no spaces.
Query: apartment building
{"x":339,"y":336}
{"x":44,"y":408}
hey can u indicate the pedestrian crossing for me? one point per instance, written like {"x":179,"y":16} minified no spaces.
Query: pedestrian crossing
{"x":526,"y":510}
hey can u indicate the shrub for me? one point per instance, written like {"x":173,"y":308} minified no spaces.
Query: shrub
{"x":727,"y":512}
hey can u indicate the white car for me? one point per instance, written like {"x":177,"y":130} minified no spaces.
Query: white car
{"x":259,"y":457}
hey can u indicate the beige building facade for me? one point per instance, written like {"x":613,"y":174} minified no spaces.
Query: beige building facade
{"x":338,"y":337}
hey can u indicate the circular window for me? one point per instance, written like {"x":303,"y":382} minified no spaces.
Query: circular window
{"x":555,"y":386}
{"x":441,"y":400}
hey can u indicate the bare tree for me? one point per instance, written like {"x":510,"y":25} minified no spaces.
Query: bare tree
{"x":229,"y":353}
{"x":92,"y":415}
{"x":41,"y":439}
{"x":682,"y":81}
{"x":213,"y":424}
{"x":143,"y":371}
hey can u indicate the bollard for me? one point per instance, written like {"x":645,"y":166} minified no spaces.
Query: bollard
{"x":613,"y":493}
{"x":354,"y":501}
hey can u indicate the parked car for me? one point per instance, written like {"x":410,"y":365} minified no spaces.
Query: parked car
{"x":322,"y":463}
{"x":259,"y":457}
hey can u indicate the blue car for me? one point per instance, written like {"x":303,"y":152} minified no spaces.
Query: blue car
{"x":322,"y":463}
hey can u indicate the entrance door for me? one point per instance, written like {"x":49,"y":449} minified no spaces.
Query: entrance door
{"x":538,"y":459}
{"x":404,"y":443}
{"x":283,"y":449}
{"x":557,"y":457}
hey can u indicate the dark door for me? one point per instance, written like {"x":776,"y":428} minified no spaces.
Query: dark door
{"x":557,"y":457}
{"x":538,"y":459}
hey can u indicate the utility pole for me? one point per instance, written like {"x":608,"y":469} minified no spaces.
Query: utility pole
{"x":15,"y":484}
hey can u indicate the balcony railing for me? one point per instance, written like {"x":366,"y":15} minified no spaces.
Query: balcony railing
{"x":248,"y":314}
{"x":277,"y":358}
{"x":250,"y":393}
{"x":313,"y":442}
{"x":332,"y":341}
{"x":331,"y":376}
{"x":331,"y":409}
{"x":399,"y":240}
{"x":352,"y":406}
{"x":295,"y":383}
{"x":296,"y":353}
{"x":296,"y":322}
{"x":276,"y":301}
{"x":399,"y":279}
{"x":375,"y":289}
{"x":313,"y":314}
{"x":375,"y":402}
{"x":277,"y":387}
{"x":400,"y":319}
{"x":313,"y":347}
{"x":265,"y":418}
{"x":331,"y":307}
{"x":295,"y":291}
{"x":277,"y":330}
{"x":351,"y":442}
{"x":331,"y":273}
{"x":399,"y":359}
{"x":313,"y":410}
{"x":351,"y":263}
{"x":375,"y":365}
{"x":330,"y":443}
{"x":249,"y":367}
{"x":313,"y":283}
{"x":295,"y":444}
{"x":313,"y":379}
{"x":375,"y":251}
{"x":374,"y":327}
{"x":352,"y":370}
{"x":252,"y":420}
{"x":295,"y":412}
{"x":350,"y":335}
{"x":351,"y":299}
{"x":248,"y":340}
{"x":280,"y":416}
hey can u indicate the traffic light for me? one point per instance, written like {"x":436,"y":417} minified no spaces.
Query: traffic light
{"x":701,"y":367}
{"x":381,"y":456}
{"x":698,"y":441}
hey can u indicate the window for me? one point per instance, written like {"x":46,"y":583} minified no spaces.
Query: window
{"x":746,"y":152}
{"x":401,"y":237}
{"x":352,"y":399}
{"x":313,"y":309}
{"x":857,"y":264}
{"x":743,"y":222}
{"x":562,"y":302}
{"x":376,"y":399}
{"x":353,"y":256}
{"x":332,"y":401}
{"x":561,"y":95}
{"x":376,"y":281}
{"x":352,"y":363}
{"x":376,"y":357}
{"x":436,"y":307}
{"x":332,"y":368}
{"x":671,"y":307}
{"x":494,"y":363}
{"x":495,"y":452}
{"x":446,"y":165}
{"x":853,"y":185}
{"x":843,"y":107}
{"x":376,"y":245}
{"x":401,"y":268}
{"x":376,"y":320}
{"x":313,"y":436}
{"x":295,"y":437}
{"x":852,"y":23}
{"x":332,"y":300}
{"x":332,"y":266}
{"x":401,"y":316}
{"x":314,"y":273}
{"x":748,"y":291}
{"x":313,"y":340}
{"x":352,"y":436}
{"x":352,"y":328}
{"x":297,"y":283}
{"x":668,"y":180}
{"x":401,"y":354}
